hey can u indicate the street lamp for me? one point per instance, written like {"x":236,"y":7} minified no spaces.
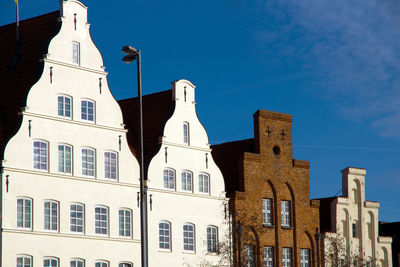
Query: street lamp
{"x":132,"y":54}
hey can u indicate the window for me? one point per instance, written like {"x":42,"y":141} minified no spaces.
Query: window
{"x":101,"y":264}
{"x":204,"y":183}
{"x":77,"y":263}
{"x":110,"y":165}
{"x":51,"y":215}
{"x":24,"y":261}
{"x":64,"y":106}
{"x":164,"y":235}
{"x":249,"y":260}
{"x":354,"y":228}
{"x":87,"y":110}
{"x":304,"y":257}
{"x":101,"y":220}
{"x":186,"y":133}
{"x":287,"y":257}
{"x":88,"y":160}
{"x":188,"y":237}
{"x":76,"y":221}
{"x":285,"y":213}
{"x":187,"y":181}
{"x":125,"y":265}
{"x":50,"y":262}
{"x":267,"y":211}
{"x":24,"y":213}
{"x":125,"y":222}
{"x":65,"y":159}
{"x":268,"y":256}
{"x":75,"y":53}
{"x":169,"y":179}
{"x":40,"y":155}
{"x":212,"y":239}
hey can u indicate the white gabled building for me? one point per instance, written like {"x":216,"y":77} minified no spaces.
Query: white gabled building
{"x":350,"y":224}
{"x":186,"y":218}
{"x":69,"y":178}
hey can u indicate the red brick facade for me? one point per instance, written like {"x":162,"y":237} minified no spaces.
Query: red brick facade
{"x":264,"y":168}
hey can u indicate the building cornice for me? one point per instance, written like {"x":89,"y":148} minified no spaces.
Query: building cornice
{"x":69,"y":65}
{"x":162,"y":142}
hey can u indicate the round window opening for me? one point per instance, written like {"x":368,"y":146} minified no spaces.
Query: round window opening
{"x":276,"y":150}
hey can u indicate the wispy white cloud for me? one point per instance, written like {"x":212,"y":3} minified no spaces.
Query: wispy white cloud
{"x":352,"y":47}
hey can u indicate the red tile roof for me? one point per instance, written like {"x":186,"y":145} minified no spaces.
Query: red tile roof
{"x":18,"y":74}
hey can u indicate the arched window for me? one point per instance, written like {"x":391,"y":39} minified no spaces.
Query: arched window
{"x":24,"y":261}
{"x":64,"y":106}
{"x":188,"y":237}
{"x":164,"y":230}
{"x":40,"y":155}
{"x":65,"y":159}
{"x":186,"y":135}
{"x":77,"y":218}
{"x":51,"y":215}
{"x":101,"y":220}
{"x":50,"y":262}
{"x":125,"y":264}
{"x":110,"y":165}
{"x":88,"y":162}
{"x":101,"y":263}
{"x":204,"y":183}
{"x":125,"y":222}
{"x":169,"y":179}
{"x":187,"y":181}
{"x":24,"y":213}
{"x":77,"y":263}
{"x":212,"y":239}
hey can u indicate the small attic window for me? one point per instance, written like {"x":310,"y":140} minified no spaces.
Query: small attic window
{"x":276,"y":150}
{"x":75,"y":53}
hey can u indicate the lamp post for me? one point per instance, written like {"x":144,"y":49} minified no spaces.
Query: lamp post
{"x":131,"y":55}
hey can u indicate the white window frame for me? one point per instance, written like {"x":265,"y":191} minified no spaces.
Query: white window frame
{"x":125,"y":226}
{"x":63,"y":159}
{"x":187,"y":181}
{"x":85,"y":163}
{"x":169,"y":179}
{"x":76,"y":53}
{"x":204,"y":184}
{"x":249,"y":256}
{"x":125,"y":264}
{"x":40,"y":158}
{"x":85,"y":115}
{"x":212,"y":239}
{"x":101,"y":224}
{"x":26,"y":261}
{"x":286,"y":257}
{"x":304,"y":257}
{"x":74,"y":220}
{"x":76,"y":262}
{"x":101,"y":263}
{"x":189,"y":237}
{"x":164,"y":236}
{"x":62,"y":106}
{"x":22,"y":222}
{"x":51,"y":259}
{"x":186,"y":133}
{"x":285,"y":213}
{"x":110,"y":163}
{"x":51,"y":220}
{"x":268,"y":256}
{"x":267,"y":211}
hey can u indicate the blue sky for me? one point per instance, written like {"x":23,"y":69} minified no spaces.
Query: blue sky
{"x":333,"y":65}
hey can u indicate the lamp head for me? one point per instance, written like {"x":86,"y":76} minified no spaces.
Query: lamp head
{"x":127,"y":49}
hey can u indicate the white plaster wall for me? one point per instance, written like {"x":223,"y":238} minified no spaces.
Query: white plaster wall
{"x":78,"y":82}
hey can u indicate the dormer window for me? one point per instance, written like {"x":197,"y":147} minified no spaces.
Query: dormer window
{"x":186,"y":133}
{"x":75,"y":53}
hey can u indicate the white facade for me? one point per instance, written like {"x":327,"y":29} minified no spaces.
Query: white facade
{"x":356,"y":222}
{"x":185,"y":154}
{"x":51,"y":192}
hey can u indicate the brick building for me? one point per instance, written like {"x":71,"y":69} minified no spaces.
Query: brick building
{"x":274,"y":221}
{"x":393,"y":230}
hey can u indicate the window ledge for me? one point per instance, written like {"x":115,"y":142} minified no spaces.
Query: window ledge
{"x":268,"y":225}
{"x":286,"y":227}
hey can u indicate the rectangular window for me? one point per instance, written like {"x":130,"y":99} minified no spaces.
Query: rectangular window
{"x":40,"y":155}
{"x":64,"y":106}
{"x":249,"y":260}
{"x":101,"y":220}
{"x":212,"y":239}
{"x":125,"y":222}
{"x":188,"y":237}
{"x":354,"y":230}
{"x":24,"y":213}
{"x":24,"y":261}
{"x":268,"y":256}
{"x":187,"y":181}
{"x":204,"y":183}
{"x":50,"y":262}
{"x":287,"y":257}
{"x":169,"y":179}
{"x":101,"y":264}
{"x":164,"y":236}
{"x":304,"y":257}
{"x":87,"y":110}
{"x":65,"y":159}
{"x":88,"y":162}
{"x":77,"y":263}
{"x":186,"y":133}
{"x":51,"y":215}
{"x":267,"y":211}
{"x":75,"y":53}
{"x":110,"y":165}
{"x":76,"y":221}
{"x":285,"y":213}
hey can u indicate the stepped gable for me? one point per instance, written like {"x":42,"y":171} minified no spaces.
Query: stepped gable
{"x":157,"y":109}
{"x":21,"y":68}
